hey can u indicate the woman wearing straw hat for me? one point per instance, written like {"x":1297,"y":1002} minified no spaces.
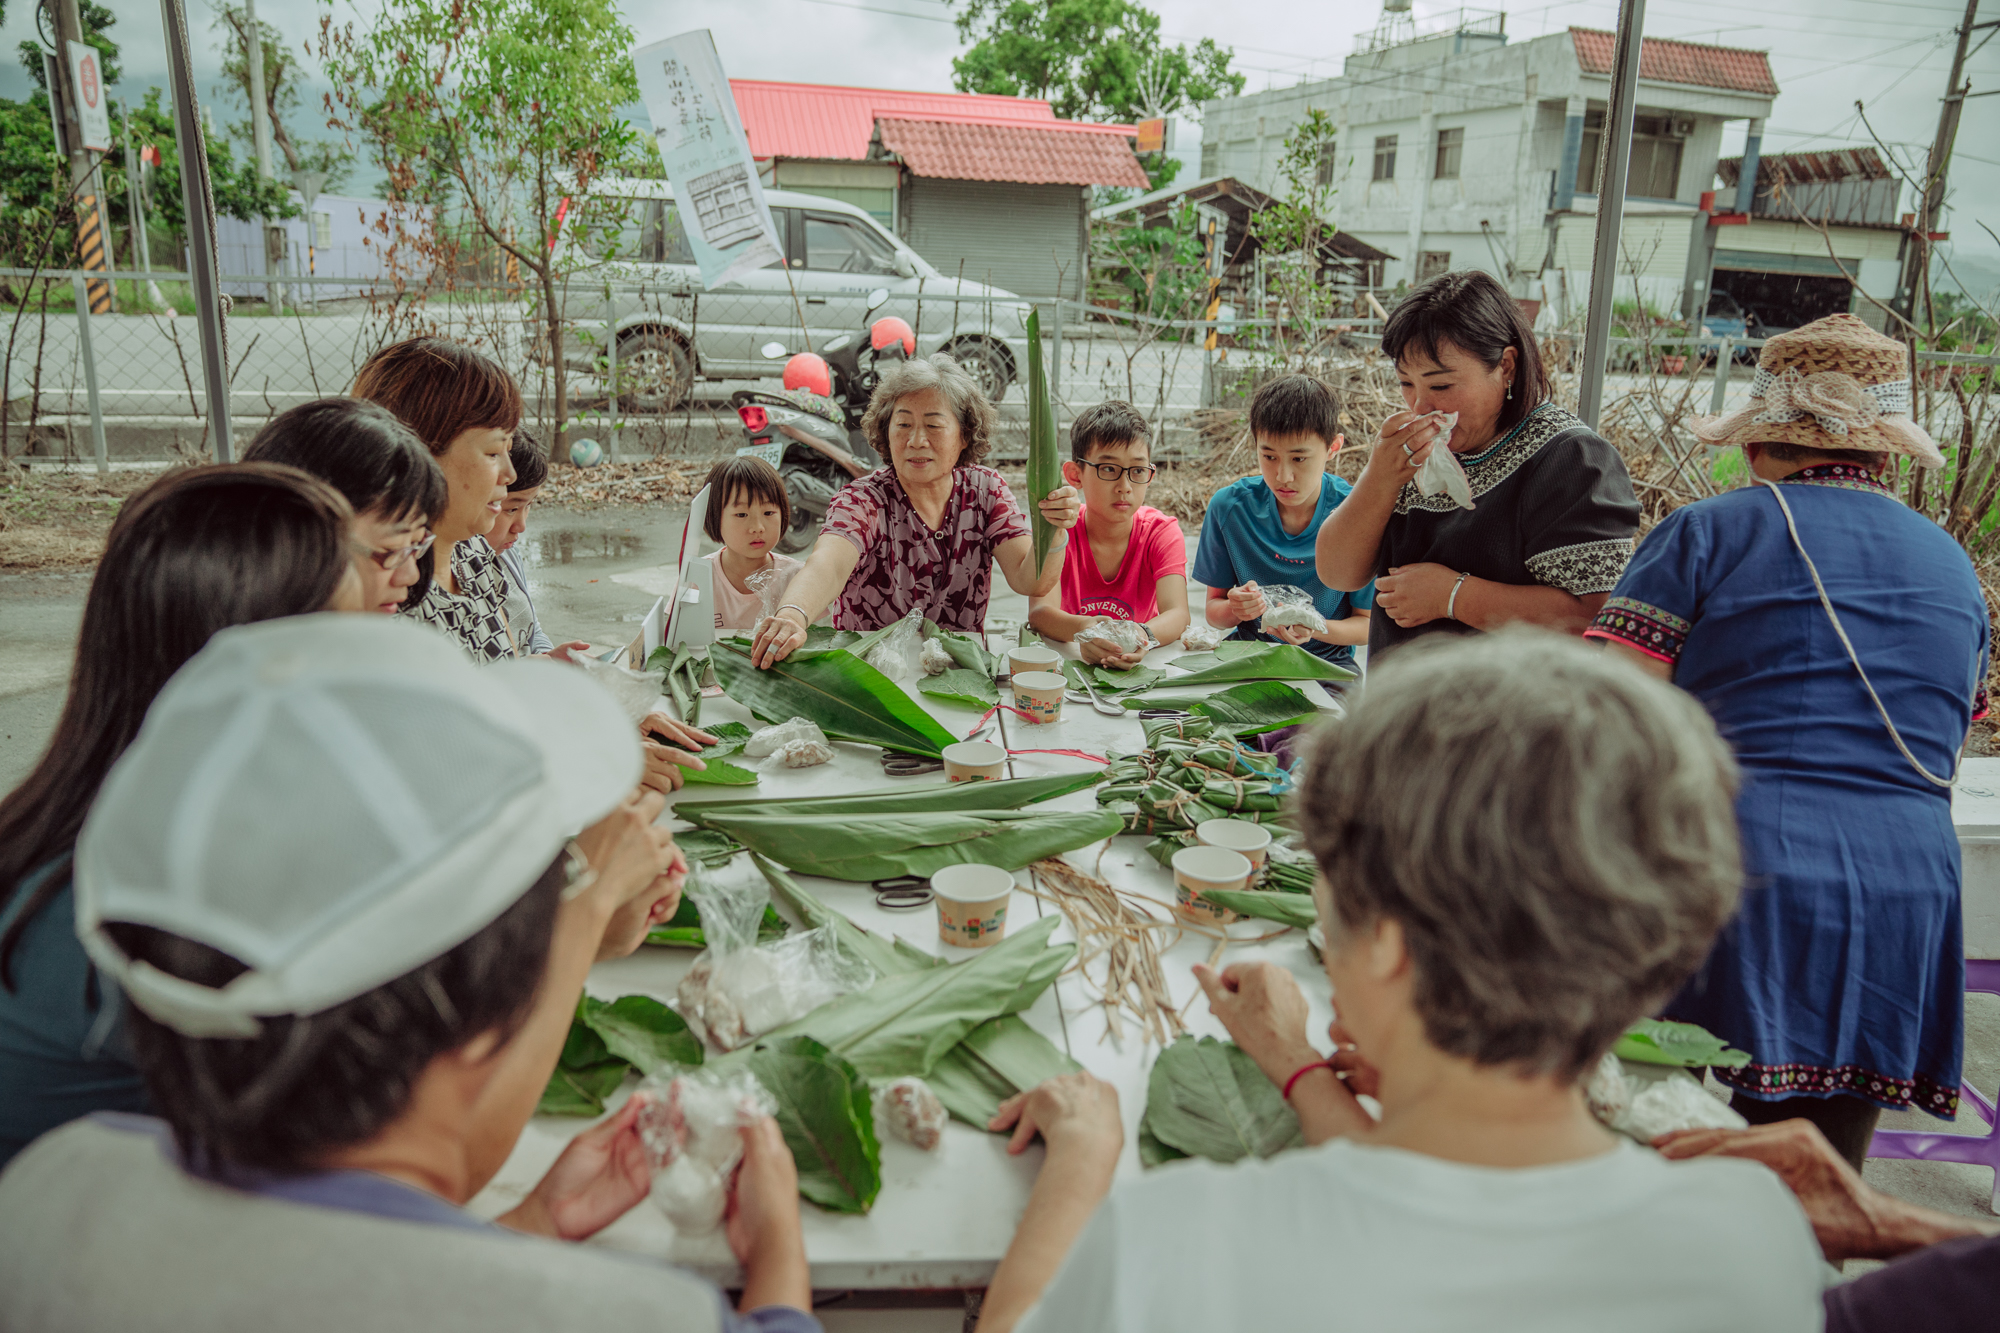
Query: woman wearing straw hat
{"x":1840,"y":641}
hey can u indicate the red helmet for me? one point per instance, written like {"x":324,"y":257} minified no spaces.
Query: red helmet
{"x":886,"y":332}
{"x":807,"y":371}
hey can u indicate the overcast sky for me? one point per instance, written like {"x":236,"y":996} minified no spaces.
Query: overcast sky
{"x":1891,"y":54}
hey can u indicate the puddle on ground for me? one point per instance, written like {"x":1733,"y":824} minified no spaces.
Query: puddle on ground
{"x":566,"y":546}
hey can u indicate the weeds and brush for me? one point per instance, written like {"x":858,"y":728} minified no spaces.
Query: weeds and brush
{"x":54,"y":522}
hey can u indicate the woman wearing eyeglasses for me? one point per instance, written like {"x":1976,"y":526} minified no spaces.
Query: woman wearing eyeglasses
{"x":363,"y":451}
{"x":1132,"y":564}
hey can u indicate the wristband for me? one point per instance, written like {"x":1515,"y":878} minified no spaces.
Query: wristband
{"x":805,"y":621}
{"x":1303,"y":1070}
{"x":1451,"y":603}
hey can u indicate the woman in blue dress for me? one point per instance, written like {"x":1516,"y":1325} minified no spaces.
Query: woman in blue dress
{"x":1839,"y":640}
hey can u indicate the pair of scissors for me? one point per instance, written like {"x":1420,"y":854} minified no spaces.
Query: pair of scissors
{"x":899,"y":765}
{"x":903,"y":893}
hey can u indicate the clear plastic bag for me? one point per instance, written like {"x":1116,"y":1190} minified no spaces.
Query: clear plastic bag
{"x":1125,"y":636}
{"x":899,"y":653}
{"x":1288,"y":607}
{"x":1201,"y":638}
{"x":637,"y":692}
{"x":769,"y":585}
{"x":936,"y":658}
{"x":737,"y":989}
{"x":1677,"y":1101}
{"x":908,"y":1109}
{"x":689,"y":1129}
{"x":1442,"y":471}
{"x":773,"y":739}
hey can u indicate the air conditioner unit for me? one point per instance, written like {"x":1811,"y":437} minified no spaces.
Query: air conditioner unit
{"x":1683,"y":126}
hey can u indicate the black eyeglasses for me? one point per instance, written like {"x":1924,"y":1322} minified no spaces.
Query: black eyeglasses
{"x":1111,"y":472}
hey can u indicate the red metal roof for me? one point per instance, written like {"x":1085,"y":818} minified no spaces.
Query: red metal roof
{"x":1046,"y":154}
{"x":1664,"y":61}
{"x":813,"y":120}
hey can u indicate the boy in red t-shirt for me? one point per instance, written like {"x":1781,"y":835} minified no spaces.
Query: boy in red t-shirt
{"x":1132,"y":564}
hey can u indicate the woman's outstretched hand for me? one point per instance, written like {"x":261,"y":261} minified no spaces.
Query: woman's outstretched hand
{"x":778,"y":638}
{"x":1062,"y":507}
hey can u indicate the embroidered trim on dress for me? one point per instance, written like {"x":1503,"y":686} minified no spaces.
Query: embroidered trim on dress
{"x":1584,"y":568}
{"x":1486,"y":470}
{"x":1903,"y":1094}
{"x":1641,"y":626}
{"x":1846,"y":476}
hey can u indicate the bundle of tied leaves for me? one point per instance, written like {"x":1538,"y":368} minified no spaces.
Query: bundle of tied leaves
{"x":1192,"y":771}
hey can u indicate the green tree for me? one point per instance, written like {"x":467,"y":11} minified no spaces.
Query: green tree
{"x":516,"y":105}
{"x":96,"y":20}
{"x":281,"y":98}
{"x":1293,"y":232}
{"x":1091,"y":59}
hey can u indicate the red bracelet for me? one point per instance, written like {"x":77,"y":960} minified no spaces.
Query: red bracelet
{"x":1303,"y":1070}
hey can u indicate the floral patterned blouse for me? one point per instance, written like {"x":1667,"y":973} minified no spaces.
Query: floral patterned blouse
{"x":905,"y":564}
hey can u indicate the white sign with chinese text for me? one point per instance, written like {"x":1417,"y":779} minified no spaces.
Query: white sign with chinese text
{"x":707,"y":158}
{"x":93,"y":113}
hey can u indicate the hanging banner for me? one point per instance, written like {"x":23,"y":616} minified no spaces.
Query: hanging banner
{"x":708,"y":160}
{"x":93,"y":114}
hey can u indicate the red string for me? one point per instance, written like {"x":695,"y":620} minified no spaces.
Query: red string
{"x":1070,"y":754}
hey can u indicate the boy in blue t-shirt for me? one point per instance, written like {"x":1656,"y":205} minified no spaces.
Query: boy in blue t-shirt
{"x":1260,"y":531}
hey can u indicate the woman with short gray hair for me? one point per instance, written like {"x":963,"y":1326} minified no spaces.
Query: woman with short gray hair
{"x":924,"y":532}
{"x":1523,"y":847}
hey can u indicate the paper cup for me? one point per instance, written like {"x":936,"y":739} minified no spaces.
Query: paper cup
{"x":1035,"y":657}
{"x":972,"y":904}
{"x":974,"y":761}
{"x":1238,"y":835}
{"x":1199,"y":868}
{"x":1039,"y":694}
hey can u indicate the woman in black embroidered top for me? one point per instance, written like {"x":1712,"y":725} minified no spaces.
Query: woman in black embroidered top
{"x":1553,"y":516}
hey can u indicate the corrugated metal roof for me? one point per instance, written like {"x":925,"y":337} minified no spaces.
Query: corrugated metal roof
{"x":1837,"y":164}
{"x":1663,"y":61}
{"x":820,"y":121}
{"x":1052,"y":153}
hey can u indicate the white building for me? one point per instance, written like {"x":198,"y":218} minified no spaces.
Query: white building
{"x":1461,"y":150}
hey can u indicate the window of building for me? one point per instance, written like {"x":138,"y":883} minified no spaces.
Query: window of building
{"x":1211,"y":159}
{"x":1385,"y":158}
{"x":1450,"y":154}
{"x":1328,"y":164}
{"x":1656,"y":157}
{"x":322,"y":230}
{"x":1431,"y":263}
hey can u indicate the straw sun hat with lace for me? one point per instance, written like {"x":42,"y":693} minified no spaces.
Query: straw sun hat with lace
{"x":1834,"y":384}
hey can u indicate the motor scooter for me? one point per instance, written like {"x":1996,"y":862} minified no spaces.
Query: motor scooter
{"x":822,"y":446}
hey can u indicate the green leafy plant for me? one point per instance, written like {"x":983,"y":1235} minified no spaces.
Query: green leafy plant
{"x":608,"y":1038}
{"x":1263,"y":661}
{"x":846,"y":697}
{"x":882,"y":846}
{"x":1206,"y":1098}
{"x":1246,"y":709}
{"x":1660,"y":1041}
{"x":827,"y":1118}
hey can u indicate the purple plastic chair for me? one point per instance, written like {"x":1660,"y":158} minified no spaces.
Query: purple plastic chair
{"x":1982,"y":975}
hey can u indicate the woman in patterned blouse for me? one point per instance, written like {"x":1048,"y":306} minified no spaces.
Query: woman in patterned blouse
{"x":1552,"y":514}
{"x":923,"y":532}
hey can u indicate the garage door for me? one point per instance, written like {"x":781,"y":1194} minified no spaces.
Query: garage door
{"x":1017,"y":237}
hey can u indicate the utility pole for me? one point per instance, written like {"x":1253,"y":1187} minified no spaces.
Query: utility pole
{"x":1917,"y":257}
{"x":1616,"y":158}
{"x":260,"y":134}
{"x":85,"y":183}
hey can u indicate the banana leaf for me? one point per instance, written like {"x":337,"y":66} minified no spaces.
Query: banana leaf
{"x":1107,"y":680}
{"x":875,"y":847}
{"x":1044,"y":468}
{"x":1246,"y":709}
{"x":827,"y":1117}
{"x":965,"y":650}
{"x":1660,"y":1041}
{"x":1287,"y":909}
{"x":1222,"y":652}
{"x":707,"y":846}
{"x":1206,"y":1098}
{"x":849,"y":699}
{"x":606,"y":1040}
{"x":1007,"y":794}
{"x":1192,"y":726}
{"x":1268,"y":661}
{"x":968,"y":689}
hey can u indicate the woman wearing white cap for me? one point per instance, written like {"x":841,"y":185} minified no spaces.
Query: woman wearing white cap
{"x":1839,"y":640}
{"x":324,"y":1005}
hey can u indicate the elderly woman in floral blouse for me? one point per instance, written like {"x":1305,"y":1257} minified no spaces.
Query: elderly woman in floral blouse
{"x":924,"y":532}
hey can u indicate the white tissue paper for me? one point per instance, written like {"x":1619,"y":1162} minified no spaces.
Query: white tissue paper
{"x":1201,"y":638}
{"x":1442,"y":472}
{"x":773,"y":739}
{"x":936,"y":659}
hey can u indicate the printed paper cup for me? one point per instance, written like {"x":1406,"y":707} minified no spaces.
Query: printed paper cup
{"x":1035,"y":657}
{"x":1200,"y":868}
{"x":972,"y":904}
{"x":1238,"y":835}
{"x":974,"y":761}
{"x":1039,"y":694}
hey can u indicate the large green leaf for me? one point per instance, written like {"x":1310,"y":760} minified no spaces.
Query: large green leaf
{"x":1206,"y":1098}
{"x":1269,"y":661}
{"x":827,"y":1118}
{"x":1109,"y":680}
{"x":965,"y":650}
{"x":718,"y":773}
{"x":581,"y":1091}
{"x":968,"y":689}
{"x":641,"y":1031}
{"x":911,"y":798}
{"x":1246,"y":709}
{"x":1290,"y":909}
{"x":1660,"y":1041}
{"x":711,"y":847}
{"x":1044,"y":466}
{"x":849,"y":699}
{"x":883,"y":846}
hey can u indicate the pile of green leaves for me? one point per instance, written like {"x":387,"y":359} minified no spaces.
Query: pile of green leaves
{"x":1240,"y":659}
{"x":1110,"y":680}
{"x":1660,"y":1041}
{"x":1179,"y":783}
{"x":847,"y":698}
{"x":1246,"y":709}
{"x":1044,"y":465}
{"x":731,"y":737}
{"x":606,"y":1040}
{"x":1206,"y":1098}
{"x":686,"y":669}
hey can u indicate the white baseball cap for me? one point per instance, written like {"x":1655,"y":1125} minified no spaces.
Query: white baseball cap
{"x":334,"y":800}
